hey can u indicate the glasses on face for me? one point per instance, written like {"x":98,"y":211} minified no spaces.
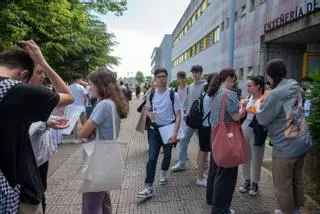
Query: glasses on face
{"x":181,"y":77}
{"x":161,"y":77}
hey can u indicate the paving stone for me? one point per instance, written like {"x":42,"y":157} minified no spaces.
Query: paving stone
{"x":180,"y":195}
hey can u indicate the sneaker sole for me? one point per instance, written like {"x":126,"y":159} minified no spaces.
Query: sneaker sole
{"x":163,"y":183}
{"x":178,"y":170}
{"x":253,"y":193}
{"x":243,"y":190}
{"x":144,"y":197}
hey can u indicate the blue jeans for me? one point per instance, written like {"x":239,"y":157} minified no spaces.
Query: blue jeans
{"x":188,"y":132}
{"x":155,"y":143}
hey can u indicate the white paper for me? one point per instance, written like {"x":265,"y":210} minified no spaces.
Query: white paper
{"x":167,"y":131}
{"x":72,"y":113}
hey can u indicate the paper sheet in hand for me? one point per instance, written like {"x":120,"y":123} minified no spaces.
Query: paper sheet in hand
{"x":72,"y":113}
{"x":167,"y":131}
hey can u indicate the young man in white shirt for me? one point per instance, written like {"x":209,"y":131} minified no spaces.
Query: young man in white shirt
{"x":163,"y":108}
{"x":79,"y":93}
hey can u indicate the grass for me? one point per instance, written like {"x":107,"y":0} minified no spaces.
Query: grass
{"x":312,"y":188}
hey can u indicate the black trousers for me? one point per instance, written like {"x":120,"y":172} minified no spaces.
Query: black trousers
{"x":220,"y":187}
{"x":43,"y":170}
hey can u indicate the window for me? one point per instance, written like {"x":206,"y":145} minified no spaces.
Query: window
{"x":222,"y":26}
{"x":216,"y":35}
{"x":240,"y":75}
{"x":197,"y":48}
{"x":227,"y":25}
{"x":243,"y":10}
{"x":210,"y":39}
{"x":250,"y":71}
{"x":235,"y":16}
{"x":201,"y":43}
{"x":252,"y":4}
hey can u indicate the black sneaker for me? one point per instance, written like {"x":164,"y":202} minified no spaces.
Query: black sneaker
{"x":245,"y":187}
{"x":253,"y":189}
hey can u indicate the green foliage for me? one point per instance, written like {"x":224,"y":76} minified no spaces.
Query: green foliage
{"x":71,"y":39}
{"x":148,"y":79}
{"x":175,"y":83}
{"x":314,"y":119}
{"x":140,"y":77}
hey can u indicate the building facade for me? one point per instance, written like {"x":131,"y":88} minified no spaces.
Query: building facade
{"x":264,"y":29}
{"x":161,"y":56}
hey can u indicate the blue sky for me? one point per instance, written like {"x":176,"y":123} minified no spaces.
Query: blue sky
{"x":140,"y":29}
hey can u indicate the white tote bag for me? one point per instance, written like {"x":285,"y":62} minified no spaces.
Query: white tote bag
{"x":104,"y":167}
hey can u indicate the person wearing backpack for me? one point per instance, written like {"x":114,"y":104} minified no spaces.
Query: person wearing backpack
{"x":163,"y":108}
{"x":194,"y":91}
{"x":20,"y":105}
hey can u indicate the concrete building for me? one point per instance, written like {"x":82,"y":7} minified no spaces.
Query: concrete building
{"x":264,"y":29}
{"x":161,"y":56}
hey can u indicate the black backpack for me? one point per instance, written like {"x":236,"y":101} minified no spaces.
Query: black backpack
{"x":195,"y":118}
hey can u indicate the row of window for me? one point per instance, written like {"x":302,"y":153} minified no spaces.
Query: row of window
{"x":243,"y":11}
{"x":200,"y":10}
{"x":204,"y":43}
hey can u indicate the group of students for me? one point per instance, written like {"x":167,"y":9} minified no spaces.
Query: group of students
{"x":25,"y":105}
{"x":276,"y":112}
{"x":24,"y":102}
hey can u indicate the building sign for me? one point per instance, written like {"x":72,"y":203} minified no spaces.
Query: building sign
{"x":298,"y":13}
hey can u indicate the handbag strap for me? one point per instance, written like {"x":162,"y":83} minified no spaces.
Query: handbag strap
{"x":114,"y":128}
{"x":223,"y":107}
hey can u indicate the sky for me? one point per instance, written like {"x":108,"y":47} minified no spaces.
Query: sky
{"x":140,"y":29}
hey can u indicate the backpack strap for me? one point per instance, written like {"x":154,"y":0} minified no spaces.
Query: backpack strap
{"x":151,"y":96}
{"x":172,"y":92}
{"x":6,"y":85}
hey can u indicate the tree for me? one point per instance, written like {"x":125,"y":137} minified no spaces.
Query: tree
{"x":71,"y":39}
{"x":148,"y":79}
{"x":140,"y":77}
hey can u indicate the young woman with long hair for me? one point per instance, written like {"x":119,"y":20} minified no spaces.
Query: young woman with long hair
{"x":222,"y":181}
{"x":252,"y":169}
{"x":105,"y":88}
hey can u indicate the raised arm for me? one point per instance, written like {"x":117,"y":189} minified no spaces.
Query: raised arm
{"x":58,"y":84}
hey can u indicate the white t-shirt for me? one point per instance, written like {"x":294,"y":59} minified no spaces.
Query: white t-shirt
{"x":251,"y":102}
{"x":78,"y":91}
{"x":162,"y":106}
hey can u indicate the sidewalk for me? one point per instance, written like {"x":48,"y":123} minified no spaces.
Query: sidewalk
{"x":180,"y":195}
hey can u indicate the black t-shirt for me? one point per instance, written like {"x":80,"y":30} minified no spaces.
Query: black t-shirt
{"x":22,"y":105}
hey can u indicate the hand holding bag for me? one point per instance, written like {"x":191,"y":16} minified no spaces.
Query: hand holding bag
{"x":228,"y":145}
{"x":104,"y":167}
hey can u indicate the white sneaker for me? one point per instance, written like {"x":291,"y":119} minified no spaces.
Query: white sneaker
{"x":278,"y":212}
{"x":201,"y":182}
{"x":177,"y":168}
{"x":146,"y":193}
{"x":231,"y":211}
{"x":163,"y":178}
{"x":77,"y":141}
